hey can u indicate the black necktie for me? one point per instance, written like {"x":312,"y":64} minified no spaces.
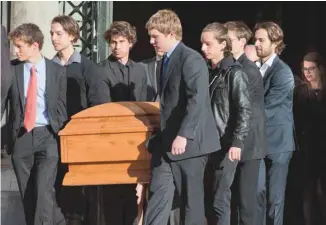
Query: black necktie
{"x":165,"y":62}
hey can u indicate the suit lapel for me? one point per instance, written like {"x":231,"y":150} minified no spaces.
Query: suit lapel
{"x":20,"y":82}
{"x":172,"y":62}
{"x":116,"y":77}
{"x":269,"y":73}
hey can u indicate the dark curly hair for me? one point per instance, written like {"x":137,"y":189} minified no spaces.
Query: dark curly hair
{"x":121,"y":28}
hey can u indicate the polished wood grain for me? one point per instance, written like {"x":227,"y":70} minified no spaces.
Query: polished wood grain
{"x":99,"y":142}
{"x":105,"y":145}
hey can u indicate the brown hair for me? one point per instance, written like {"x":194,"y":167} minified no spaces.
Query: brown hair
{"x":240,"y":28}
{"x":165,"y":21}
{"x":69,"y":25}
{"x":121,"y":28}
{"x":221,"y":34}
{"x":315,"y":57}
{"x":29,"y":33}
{"x":275,"y":34}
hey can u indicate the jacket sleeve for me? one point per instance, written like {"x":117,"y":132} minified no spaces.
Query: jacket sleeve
{"x":98,"y":85}
{"x":6,"y":69}
{"x":281,"y":85}
{"x":62,"y":99}
{"x":240,"y":100}
{"x":195,"y":76}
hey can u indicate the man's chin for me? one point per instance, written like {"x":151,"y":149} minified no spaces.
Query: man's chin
{"x":58,"y":49}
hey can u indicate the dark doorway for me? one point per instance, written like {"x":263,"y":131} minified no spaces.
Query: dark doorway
{"x":303,"y":22}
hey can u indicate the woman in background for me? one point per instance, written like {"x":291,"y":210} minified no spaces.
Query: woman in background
{"x":310,"y":123}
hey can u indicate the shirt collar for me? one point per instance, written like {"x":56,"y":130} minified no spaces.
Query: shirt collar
{"x":38,"y":66}
{"x":112,"y":58}
{"x":269,"y":61}
{"x":210,"y":68}
{"x":74,"y":58}
{"x":168,"y":54}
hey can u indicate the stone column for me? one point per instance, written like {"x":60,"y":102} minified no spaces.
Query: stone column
{"x":41,"y":13}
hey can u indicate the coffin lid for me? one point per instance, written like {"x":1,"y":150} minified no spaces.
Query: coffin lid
{"x":114,"y":117}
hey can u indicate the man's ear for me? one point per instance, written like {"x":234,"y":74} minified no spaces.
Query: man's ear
{"x":35,"y":46}
{"x":243,"y":41}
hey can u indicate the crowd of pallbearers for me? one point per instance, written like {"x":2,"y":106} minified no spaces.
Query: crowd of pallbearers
{"x":227,"y":123}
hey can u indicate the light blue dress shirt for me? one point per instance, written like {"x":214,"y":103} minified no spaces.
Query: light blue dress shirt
{"x":168,"y":54}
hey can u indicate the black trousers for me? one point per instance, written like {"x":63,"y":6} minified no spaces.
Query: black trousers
{"x":244,"y":193}
{"x":184,"y":175}
{"x":71,"y":199}
{"x":35,"y":159}
{"x":220,"y":174}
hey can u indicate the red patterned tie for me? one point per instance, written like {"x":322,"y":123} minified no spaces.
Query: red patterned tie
{"x":30,"y":107}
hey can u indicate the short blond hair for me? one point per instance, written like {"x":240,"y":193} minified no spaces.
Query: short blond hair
{"x":28,"y":33}
{"x":165,"y":21}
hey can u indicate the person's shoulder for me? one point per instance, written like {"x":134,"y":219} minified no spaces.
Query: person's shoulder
{"x":190,"y":56}
{"x":250,"y":67}
{"x":86,"y":61}
{"x":281,"y":66}
{"x":147,"y":61}
{"x":53,"y":64}
{"x":138,"y":66}
{"x":249,"y":63}
{"x":60,"y":70}
{"x":187,"y":51}
{"x":104,"y":62}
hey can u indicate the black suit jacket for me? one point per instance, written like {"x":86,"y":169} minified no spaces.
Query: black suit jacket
{"x":6,"y":70}
{"x":56,"y":87}
{"x":278,"y":88}
{"x":185,"y":106}
{"x":87,"y":86}
{"x":153,"y":78}
{"x":138,"y":81}
{"x":255,"y":145}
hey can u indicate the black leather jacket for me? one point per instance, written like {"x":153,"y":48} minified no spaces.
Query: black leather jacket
{"x":230,"y":102}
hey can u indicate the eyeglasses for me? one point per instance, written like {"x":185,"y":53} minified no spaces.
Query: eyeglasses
{"x":309,"y":69}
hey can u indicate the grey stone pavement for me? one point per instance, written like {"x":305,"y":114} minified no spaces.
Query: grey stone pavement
{"x":11,"y":206}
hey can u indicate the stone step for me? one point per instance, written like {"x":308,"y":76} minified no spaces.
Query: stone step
{"x":12,"y":212}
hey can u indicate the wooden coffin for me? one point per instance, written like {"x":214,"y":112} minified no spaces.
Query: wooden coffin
{"x":105,"y":144}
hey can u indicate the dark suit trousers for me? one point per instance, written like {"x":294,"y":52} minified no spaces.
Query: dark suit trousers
{"x":35,"y":158}
{"x":224,"y":171}
{"x":261,"y":194}
{"x":277,"y":166}
{"x":244,"y":192}
{"x":175,"y":212}
{"x":118,"y":202}
{"x":184,"y":175}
